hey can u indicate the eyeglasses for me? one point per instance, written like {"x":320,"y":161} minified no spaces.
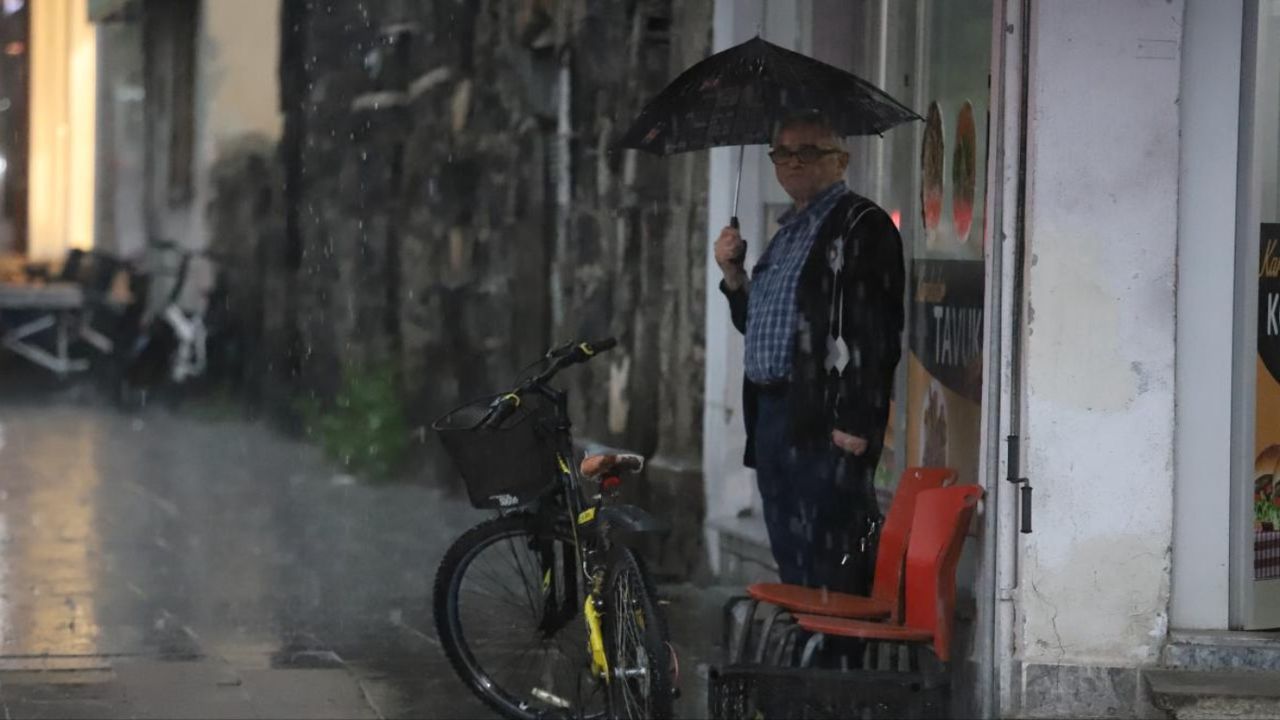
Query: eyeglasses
{"x":806,"y":154}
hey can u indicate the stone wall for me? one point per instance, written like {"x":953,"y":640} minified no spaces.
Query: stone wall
{"x":247,"y":232}
{"x":451,"y":205}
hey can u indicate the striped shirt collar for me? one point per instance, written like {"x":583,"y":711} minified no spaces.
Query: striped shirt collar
{"x":818,"y":206}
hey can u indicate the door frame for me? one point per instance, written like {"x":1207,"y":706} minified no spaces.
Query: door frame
{"x":1252,"y":605}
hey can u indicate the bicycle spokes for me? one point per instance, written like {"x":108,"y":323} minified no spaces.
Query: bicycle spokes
{"x":633,"y":666}
{"x":559,"y":586}
{"x":511,"y":611}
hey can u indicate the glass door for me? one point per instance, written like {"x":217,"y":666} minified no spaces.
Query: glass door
{"x":1255,"y":547}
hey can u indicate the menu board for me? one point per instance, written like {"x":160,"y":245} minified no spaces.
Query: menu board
{"x":1266,"y":466}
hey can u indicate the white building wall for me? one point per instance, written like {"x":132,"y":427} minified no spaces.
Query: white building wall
{"x":241,"y":61}
{"x":238,"y":90}
{"x":729,"y":486}
{"x":1102,"y":215}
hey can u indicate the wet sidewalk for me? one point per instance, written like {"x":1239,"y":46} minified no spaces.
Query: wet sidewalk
{"x":163,"y":565}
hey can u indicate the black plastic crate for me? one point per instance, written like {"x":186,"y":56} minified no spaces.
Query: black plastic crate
{"x":753,"y":691}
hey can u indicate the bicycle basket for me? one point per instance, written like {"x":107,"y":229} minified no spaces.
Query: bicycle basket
{"x":506,"y":466}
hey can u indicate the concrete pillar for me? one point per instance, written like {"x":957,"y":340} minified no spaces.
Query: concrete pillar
{"x":121,"y":176}
{"x":1102,"y":214}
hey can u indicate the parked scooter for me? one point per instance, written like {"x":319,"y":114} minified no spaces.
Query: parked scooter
{"x":165,"y":345}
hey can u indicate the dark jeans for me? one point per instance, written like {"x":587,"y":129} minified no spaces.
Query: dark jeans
{"x":815,"y":504}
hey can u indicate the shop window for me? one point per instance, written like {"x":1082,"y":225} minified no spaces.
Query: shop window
{"x":935,"y":56}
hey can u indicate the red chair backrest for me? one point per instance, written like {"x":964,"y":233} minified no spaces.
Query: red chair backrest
{"x":892,"y":550}
{"x":938,"y":529}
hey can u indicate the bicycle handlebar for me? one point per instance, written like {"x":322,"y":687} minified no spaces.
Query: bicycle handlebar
{"x":501,"y":410}
{"x":599,"y":346}
{"x":561,"y":358}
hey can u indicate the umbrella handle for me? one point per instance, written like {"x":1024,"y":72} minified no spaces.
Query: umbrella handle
{"x":737,"y":188}
{"x":742,"y":256}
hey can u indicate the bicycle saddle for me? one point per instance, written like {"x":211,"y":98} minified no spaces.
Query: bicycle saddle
{"x":596,"y":465}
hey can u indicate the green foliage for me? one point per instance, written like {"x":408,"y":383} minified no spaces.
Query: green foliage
{"x":1266,"y":510}
{"x":365,"y":427}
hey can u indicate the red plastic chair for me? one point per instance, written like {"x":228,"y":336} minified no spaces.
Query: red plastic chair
{"x":886,"y":587}
{"x":885,"y":601}
{"x":939,"y":526}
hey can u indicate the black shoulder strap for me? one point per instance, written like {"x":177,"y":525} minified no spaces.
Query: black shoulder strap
{"x":848,"y":212}
{"x":855,"y":206}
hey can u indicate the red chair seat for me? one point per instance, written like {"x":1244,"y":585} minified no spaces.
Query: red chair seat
{"x":814,"y":601}
{"x":845,"y":627}
{"x":939,"y":523}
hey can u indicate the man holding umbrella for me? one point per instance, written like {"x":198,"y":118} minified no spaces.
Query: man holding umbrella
{"x":822,"y":315}
{"x":822,"y":309}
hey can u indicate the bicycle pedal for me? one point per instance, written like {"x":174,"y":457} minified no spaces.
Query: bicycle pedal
{"x":551,"y":699}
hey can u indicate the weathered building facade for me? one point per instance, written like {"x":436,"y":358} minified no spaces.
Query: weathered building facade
{"x":432,"y":189}
{"x":454,"y":206}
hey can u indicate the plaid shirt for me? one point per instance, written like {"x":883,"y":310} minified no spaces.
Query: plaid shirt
{"x":772,"y":312}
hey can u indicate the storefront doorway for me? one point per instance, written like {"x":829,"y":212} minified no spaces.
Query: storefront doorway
{"x":931,"y":177}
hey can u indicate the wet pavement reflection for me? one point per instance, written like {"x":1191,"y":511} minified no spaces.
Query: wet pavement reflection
{"x":172,"y":565}
{"x":131,"y":541}
{"x":55,"y":535}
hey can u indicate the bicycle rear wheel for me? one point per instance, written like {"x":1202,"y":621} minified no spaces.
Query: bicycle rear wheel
{"x":635,"y":636}
{"x":508,"y":602}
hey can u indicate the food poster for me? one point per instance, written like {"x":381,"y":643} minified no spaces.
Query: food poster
{"x":1266,"y":488}
{"x":944,"y":367}
{"x":946,"y":295}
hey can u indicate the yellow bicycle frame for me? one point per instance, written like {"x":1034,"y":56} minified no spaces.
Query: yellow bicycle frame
{"x":595,"y":640}
{"x":595,"y":636}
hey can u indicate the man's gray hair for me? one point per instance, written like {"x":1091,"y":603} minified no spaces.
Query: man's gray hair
{"x":810,"y":118}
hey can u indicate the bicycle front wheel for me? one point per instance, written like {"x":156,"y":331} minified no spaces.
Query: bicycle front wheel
{"x":508,"y":601}
{"x":635,"y":636}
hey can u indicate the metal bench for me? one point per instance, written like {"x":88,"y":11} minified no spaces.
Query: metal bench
{"x":57,"y":305}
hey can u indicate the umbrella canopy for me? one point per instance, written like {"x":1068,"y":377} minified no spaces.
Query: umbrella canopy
{"x":740,"y":95}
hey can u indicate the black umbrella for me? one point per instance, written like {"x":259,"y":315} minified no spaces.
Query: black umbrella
{"x":740,"y":95}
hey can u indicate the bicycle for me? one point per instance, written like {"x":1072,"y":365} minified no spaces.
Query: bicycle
{"x":564,"y":556}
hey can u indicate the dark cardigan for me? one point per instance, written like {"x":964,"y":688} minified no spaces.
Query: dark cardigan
{"x":857,"y":402}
